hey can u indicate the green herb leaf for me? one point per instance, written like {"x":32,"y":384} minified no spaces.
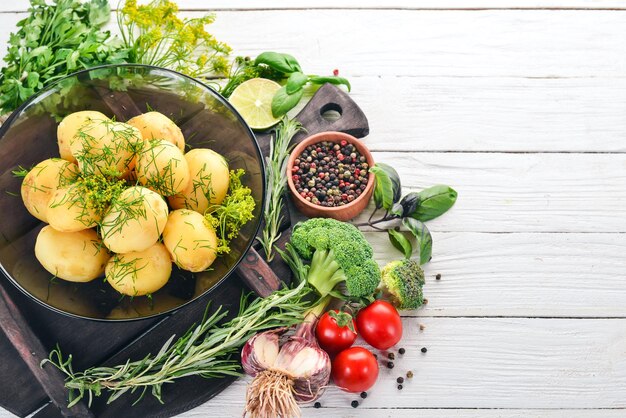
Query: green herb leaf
{"x":434,"y":202}
{"x":283,"y":102}
{"x":397,"y":209}
{"x":400,"y":242}
{"x":284,"y":63}
{"x":99,"y":12}
{"x":330,"y":79}
{"x":295,"y":82}
{"x":388,"y":188}
{"x":409,"y":203}
{"x":423,"y":237}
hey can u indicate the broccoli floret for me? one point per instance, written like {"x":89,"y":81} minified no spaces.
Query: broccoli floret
{"x":402,"y":282}
{"x":339,"y":253}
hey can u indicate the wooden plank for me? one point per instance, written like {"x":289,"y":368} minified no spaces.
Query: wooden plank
{"x":495,"y":363}
{"x":525,"y":275}
{"x":19,"y":5}
{"x":429,"y":43}
{"x":520,"y":192}
{"x":436,"y":43}
{"x":210,"y":410}
{"x":493,"y":114}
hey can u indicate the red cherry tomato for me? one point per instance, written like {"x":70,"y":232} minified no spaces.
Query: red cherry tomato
{"x":355,"y":369}
{"x":332,"y":336}
{"x":380,"y":325}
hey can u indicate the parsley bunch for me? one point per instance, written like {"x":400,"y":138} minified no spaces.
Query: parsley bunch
{"x":53,"y":41}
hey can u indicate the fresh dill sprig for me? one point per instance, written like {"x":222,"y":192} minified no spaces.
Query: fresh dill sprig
{"x":235,"y":211}
{"x":276,"y":183}
{"x":207,"y":349}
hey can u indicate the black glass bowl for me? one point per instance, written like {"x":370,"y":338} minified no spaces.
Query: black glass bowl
{"x":121,"y":91}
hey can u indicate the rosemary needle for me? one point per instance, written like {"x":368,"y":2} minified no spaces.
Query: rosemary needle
{"x":276,"y":183}
{"x":206,"y":350}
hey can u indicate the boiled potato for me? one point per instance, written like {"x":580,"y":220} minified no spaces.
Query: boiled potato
{"x":190,"y":240}
{"x":135,"y":220}
{"x":106,"y":147}
{"x":42,"y":181}
{"x":73,"y":256}
{"x":155,"y":125}
{"x":209,"y":181}
{"x":69,"y":211}
{"x":162,"y":167}
{"x":69,"y":127}
{"x":139,"y":273}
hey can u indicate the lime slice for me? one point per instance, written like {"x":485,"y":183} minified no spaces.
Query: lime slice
{"x":253,"y":100}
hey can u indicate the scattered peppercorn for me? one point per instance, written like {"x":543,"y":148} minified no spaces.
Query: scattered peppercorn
{"x":424,"y":349}
{"x":330,"y":174}
{"x":399,"y":387}
{"x":401,"y":351}
{"x":425,"y":301}
{"x":317,"y":405}
{"x":409,"y":374}
{"x":422,"y":327}
{"x":438,"y":277}
{"x":400,"y":379}
{"x":391,"y":356}
{"x":355,"y":404}
{"x":390,"y":364}
{"x":363,"y":395}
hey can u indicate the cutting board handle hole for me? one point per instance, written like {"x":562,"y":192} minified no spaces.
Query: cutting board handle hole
{"x":331,"y":112}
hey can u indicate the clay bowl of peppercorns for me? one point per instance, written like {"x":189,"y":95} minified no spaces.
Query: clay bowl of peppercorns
{"x":328,"y":174}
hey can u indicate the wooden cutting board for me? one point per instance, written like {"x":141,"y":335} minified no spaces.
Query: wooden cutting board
{"x":35,"y":330}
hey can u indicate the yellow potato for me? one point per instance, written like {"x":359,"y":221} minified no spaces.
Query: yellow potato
{"x":69,"y":211}
{"x":155,"y":125}
{"x":42,"y":181}
{"x":139,"y":273}
{"x":209,"y":181}
{"x":106,"y":147}
{"x":135,"y":220}
{"x":162,"y":167}
{"x":72,"y":256}
{"x":70,"y":125}
{"x":190,"y":240}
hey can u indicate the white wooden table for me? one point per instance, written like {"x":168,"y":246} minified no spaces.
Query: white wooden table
{"x":520,"y":106}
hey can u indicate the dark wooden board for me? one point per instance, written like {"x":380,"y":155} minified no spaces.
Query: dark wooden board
{"x":93,"y":342}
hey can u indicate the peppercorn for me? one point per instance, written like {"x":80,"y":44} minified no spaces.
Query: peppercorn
{"x":424,"y":349}
{"x":391,"y":356}
{"x":390,"y":364}
{"x":399,"y":387}
{"x":401,"y":351}
{"x":363,"y":395}
{"x":355,"y":404}
{"x":317,"y":405}
{"x":409,"y":374}
{"x":400,"y":379}
{"x":438,"y":276}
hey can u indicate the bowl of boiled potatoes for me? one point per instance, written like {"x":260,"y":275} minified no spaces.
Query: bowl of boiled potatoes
{"x":117,"y":183}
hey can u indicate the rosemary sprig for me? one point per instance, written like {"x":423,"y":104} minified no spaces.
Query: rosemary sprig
{"x":276,"y":182}
{"x":205,"y":350}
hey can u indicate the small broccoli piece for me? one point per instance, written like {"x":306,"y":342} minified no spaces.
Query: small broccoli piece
{"x":402,"y":283}
{"x":339,"y":253}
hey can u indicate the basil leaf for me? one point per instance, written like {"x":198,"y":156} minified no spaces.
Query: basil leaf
{"x":295,"y":82}
{"x":283,"y":102}
{"x":409,"y":203}
{"x":284,"y":63}
{"x":397,"y":209}
{"x":434,"y":202}
{"x":400,"y":242}
{"x":423,"y":237}
{"x":388,"y":189}
{"x":330,"y":79}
